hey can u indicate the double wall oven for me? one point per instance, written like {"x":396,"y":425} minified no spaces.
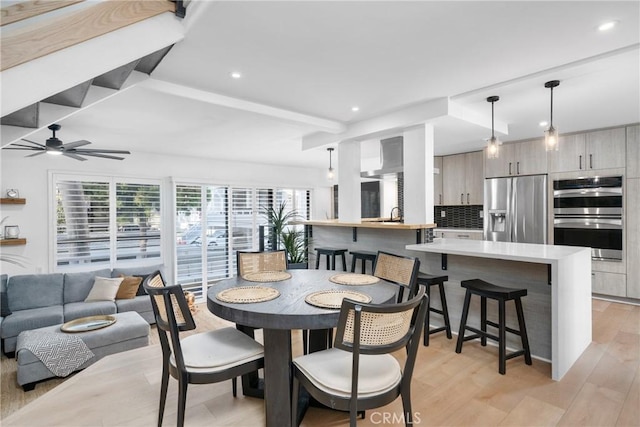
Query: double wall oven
{"x":588,"y":212}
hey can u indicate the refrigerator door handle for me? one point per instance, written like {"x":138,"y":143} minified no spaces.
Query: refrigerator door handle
{"x":514,"y":199}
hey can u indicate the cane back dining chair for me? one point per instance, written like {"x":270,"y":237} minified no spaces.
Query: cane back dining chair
{"x":254,"y":262}
{"x":401,"y":270}
{"x":359,"y":372}
{"x":202,"y":358}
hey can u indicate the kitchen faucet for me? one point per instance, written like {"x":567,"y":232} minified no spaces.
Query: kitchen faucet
{"x":399,"y":217}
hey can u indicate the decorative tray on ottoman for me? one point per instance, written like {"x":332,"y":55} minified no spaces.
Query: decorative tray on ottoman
{"x":89,"y":323}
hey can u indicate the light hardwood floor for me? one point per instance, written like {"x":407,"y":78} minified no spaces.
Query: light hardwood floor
{"x":602,"y":389}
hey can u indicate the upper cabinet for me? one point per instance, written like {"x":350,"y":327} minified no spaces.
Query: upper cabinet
{"x":633,"y":151}
{"x":603,"y":149}
{"x":521,"y":158}
{"x":437,"y":180}
{"x":463,"y":179}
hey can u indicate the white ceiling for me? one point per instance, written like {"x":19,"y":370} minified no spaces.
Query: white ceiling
{"x":321,"y":58}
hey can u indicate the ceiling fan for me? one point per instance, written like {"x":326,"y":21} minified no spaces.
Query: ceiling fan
{"x":55,"y":146}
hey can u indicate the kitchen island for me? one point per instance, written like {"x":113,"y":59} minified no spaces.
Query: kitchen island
{"x":558,"y":280}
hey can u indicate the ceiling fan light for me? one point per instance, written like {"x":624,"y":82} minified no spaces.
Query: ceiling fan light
{"x":54,"y":152}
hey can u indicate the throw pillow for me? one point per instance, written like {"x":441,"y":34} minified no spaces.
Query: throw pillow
{"x":129,"y":287}
{"x":141,"y":290}
{"x":104,"y":289}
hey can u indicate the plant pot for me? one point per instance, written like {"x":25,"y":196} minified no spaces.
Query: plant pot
{"x":298,"y":266}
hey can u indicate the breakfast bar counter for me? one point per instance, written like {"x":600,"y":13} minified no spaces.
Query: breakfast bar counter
{"x":558,"y":280}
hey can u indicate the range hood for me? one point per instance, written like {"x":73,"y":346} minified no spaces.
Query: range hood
{"x":391,"y":153}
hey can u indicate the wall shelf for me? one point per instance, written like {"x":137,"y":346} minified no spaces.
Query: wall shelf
{"x":13,"y":242}
{"x":10,"y":201}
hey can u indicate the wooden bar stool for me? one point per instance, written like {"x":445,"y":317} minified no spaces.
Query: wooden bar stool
{"x":501,"y":294}
{"x":331,"y":254}
{"x":363,"y":256}
{"x":429,"y":280}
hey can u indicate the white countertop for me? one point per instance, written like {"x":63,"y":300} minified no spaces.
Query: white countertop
{"x":527,"y":252}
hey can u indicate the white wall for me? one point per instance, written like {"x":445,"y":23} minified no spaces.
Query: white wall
{"x":30,"y":177}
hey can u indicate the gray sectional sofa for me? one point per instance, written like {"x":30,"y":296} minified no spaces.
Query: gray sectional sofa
{"x":38,"y":300}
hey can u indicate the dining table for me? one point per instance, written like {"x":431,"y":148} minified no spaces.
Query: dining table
{"x":289,"y":310}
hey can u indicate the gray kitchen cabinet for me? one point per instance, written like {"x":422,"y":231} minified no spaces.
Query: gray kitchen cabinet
{"x":613,"y":284}
{"x":530,"y":157}
{"x":603,"y":149}
{"x":518,"y":158}
{"x":474,"y":178}
{"x":437,"y":181}
{"x":463,"y":179}
{"x":632,"y":230}
{"x":633,"y":151}
{"x":453,"y":179}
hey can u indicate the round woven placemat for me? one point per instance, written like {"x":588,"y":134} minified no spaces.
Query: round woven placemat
{"x":248,"y":294}
{"x":332,"y":298}
{"x":353,"y":279}
{"x":267,"y":276}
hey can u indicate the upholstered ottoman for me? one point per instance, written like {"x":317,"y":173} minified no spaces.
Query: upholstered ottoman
{"x":128,"y":332}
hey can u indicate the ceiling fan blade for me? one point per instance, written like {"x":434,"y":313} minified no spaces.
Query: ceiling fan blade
{"x":75,"y":144}
{"x":97,"y":150}
{"x":37,"y":154}
{"x":23,"y":147}
{"x":36,"y":143}
{"x":99,"y":155}
{"x":73,"y":156}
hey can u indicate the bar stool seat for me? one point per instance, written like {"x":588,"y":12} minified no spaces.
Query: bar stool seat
{"x":331,"y":254}
{"x":501,"y":294}
{"x":363,"y":256}
{"x":429,"y":280}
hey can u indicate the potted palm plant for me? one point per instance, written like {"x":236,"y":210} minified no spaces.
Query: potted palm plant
{"x":284,"y":236}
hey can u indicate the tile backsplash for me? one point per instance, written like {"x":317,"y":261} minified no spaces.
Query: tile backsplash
{"x":466,"y":216}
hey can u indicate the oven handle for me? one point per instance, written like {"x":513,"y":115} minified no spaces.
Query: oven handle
{"x":588,"y":192}
{"x":605,"y":224}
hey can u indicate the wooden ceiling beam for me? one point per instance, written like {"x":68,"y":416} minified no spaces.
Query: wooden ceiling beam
{"x":33,"y":42}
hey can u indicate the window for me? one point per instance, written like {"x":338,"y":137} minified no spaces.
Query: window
{"x":105,"y":220}
{"x":214,"y":222}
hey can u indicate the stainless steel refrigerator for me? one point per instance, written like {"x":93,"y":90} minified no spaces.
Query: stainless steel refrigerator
{"x":515,"y":209}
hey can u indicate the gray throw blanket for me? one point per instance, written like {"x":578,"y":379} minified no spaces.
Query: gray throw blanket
{"x":62,"y":354}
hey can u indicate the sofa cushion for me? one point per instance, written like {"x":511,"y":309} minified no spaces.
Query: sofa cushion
{"x":141,"y":272}
{"x":76,"y":310}
{"x":104,"y":289}
{"x":78,"y":285}
{"x":4,"y":303}
{"x":34,"y":318}
{"x":140,"y":304}
{"x":34,"y":291}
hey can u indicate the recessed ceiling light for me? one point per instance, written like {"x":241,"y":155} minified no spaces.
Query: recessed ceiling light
{"x":607,"y":25}
{"x":355,"y":108}
{"x":236,"y":75}
{"x":543,"y":123}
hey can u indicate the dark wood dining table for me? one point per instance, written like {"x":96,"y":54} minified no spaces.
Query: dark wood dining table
{"x":279,"y":316}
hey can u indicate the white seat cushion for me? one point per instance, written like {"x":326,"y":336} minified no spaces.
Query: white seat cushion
{"x":330,"y":371}
{"x":218,"y":350}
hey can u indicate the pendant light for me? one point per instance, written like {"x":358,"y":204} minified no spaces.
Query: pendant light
{"x":551,"y":142}
{"x":330,"y":173}
{"x":493,"y":143}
